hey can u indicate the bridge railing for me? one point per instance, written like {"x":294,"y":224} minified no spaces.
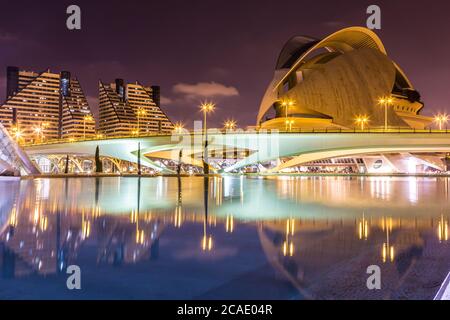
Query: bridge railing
{"x":252,"y":130}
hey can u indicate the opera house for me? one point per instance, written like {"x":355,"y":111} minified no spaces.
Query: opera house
{"x":327,"y":84}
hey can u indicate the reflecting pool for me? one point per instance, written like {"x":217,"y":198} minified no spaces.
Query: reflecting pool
{"x":224,"y":238}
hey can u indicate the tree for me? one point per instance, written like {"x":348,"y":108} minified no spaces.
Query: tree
{"x":66,"y":168}
{"x":180,"y":155}
{"x":205,"y":167}
{"x":98,"y":162}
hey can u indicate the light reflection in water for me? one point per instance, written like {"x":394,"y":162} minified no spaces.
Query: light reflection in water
{"x":304,"y":226}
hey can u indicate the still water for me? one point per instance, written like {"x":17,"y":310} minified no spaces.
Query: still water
{"x":224,"y":238}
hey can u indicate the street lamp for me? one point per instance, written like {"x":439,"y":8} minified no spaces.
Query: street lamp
{"x":441,"y":119}
{"x":286,"y":103}
{"x":178,"y":128}
{"x":362,"y":121}
{"x":86,"y":118}
{"x":385,"y":101}
{"x":229,"y":124}
{"x":289,"y":124}
{"x":140,"y":112}
{"x":39,"y":130}
{"x":16,"y":133}
{"x":206,"y":107}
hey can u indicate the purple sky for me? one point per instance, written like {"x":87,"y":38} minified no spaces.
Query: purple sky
{"x":185,"y":45}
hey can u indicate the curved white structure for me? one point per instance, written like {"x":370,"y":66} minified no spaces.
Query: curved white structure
{"x":13,"y":160}
{"x":297,"y":148}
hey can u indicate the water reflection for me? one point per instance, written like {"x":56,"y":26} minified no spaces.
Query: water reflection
{"x":319,"y":234}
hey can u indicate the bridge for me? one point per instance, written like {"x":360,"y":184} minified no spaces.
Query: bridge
{"x":13,"y":160}
{"x":295,"y":148}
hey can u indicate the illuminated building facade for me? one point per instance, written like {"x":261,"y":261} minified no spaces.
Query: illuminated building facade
{"x":327,"y":84}
{"x":44,"y":106}
{"x":131,"y":109}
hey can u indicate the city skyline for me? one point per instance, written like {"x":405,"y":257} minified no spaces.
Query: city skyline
{"x":218,"y":51}
{"x":224,"y":151}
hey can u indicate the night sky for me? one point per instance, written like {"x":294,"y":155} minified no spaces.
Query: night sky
{"x":224,"y":50}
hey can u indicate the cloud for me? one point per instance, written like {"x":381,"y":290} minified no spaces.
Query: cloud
{"x":205,"y":90}
{"x":6,"y":37}
{"x":165,"y":100}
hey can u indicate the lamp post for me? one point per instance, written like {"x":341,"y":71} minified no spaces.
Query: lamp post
{"x":39,"y":130}
{"x":229,"y":124}
{"x":441,"y":119}
{"x":286,"y":104}
{"x":289,"y":124}
{"x":86,"y":118}
{"x":16,"y":133}
{"x":386,"y":101}
{"x":139,"y":113}
{"x":178,"y":128}
{"x":362,"y":121}
{"x":206,"y":108}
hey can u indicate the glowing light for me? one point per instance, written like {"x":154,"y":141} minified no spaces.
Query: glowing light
{"x":13,"y":217}
{"x":288,"y":102}
{"x":441,"y":119}
{"x":85,"y":226}
{"x":230,"y":124}
{"x":140,"y":236}
{"x":141,"y":112}
{"x":43,"y":223}
{"x":133,"y":216}
{"x":443,"y":229}
{"x":177,"y":221}
{"x":207,"y":243}
{"x":178,"y":128}
{"x":362,"y":121}
{"x":229,"y":224}
{"x":387,"y":252}
{"x":289,"y":124}
{"x":288,"y":248}
{"x":386,"y":101}
{"x":88,"y":118}
{"x":207,"y":107}
{"x":363,"y":229}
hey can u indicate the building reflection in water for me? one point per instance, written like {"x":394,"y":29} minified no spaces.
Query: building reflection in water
{"x":50,"y":222}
